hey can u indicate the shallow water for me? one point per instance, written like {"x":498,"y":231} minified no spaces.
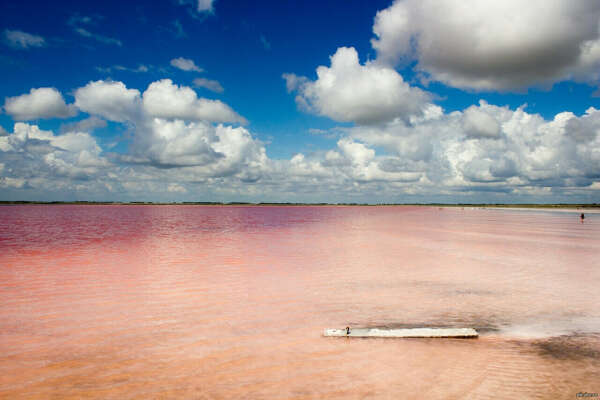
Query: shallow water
{"x":231,"y":302}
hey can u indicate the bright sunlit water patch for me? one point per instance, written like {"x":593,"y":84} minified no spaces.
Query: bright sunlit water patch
{"x":230,"y":302}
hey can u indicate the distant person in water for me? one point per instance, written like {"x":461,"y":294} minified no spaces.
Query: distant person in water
{"x":582,"y":217}
{"x":347,"y":330}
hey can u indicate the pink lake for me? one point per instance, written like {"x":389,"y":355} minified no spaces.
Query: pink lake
{"x":228,"y":302}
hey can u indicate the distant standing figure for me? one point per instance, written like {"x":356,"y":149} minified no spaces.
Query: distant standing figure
{"x":347,"y":330}
{"x":582,"y":217}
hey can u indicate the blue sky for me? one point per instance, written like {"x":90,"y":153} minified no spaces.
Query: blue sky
{"x":427,"y":102}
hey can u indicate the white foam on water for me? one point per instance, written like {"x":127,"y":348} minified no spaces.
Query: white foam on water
{"x":540,"y":330}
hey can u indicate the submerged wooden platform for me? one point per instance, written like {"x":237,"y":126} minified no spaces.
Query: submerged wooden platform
{"x":404,"y":333}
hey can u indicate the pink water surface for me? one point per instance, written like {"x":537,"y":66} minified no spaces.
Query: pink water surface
{"x":211,"y":302}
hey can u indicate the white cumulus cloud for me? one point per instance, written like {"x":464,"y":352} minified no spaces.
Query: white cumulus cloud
{"x":365,"y":94}
{"x":164,"y":99}
{"x":493,"y":148}
{"x":479,"y":123}
{"x":178,"y":147}
{"x":108,"y":99}
{"x":209,"y":150}
{"x":41,"y":158}
{"x":491,"y":45}
{"x":39,"y":103}
{"x":169,"y":144}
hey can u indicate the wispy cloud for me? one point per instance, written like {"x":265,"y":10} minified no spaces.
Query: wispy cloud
{"x":209,"y":84}
{"x":83,"y":19}
{"x":100,"y":38}
{"x":178,"y":31}
{"x":76,"y":22}
{"x":139,"y":69}
{"x":22,"y":40}
{"x":205,"y":5}
{"x":332,"y":133}
{"x":185,"y":64}
{"x":200,"y":5}
{"x":266,"y":44}
{"x":198,"y":9}
{"x":85,"y":125}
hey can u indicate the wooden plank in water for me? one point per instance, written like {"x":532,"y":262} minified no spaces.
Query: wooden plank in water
{"x":404,"y":333}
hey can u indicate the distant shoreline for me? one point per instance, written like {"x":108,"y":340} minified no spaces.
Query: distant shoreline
{"x":478,"y":205}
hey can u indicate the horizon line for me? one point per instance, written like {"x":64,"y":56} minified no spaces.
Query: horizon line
{"x":238,"y":203}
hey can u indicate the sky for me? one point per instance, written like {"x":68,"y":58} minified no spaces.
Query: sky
{"x":461,"y":101}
